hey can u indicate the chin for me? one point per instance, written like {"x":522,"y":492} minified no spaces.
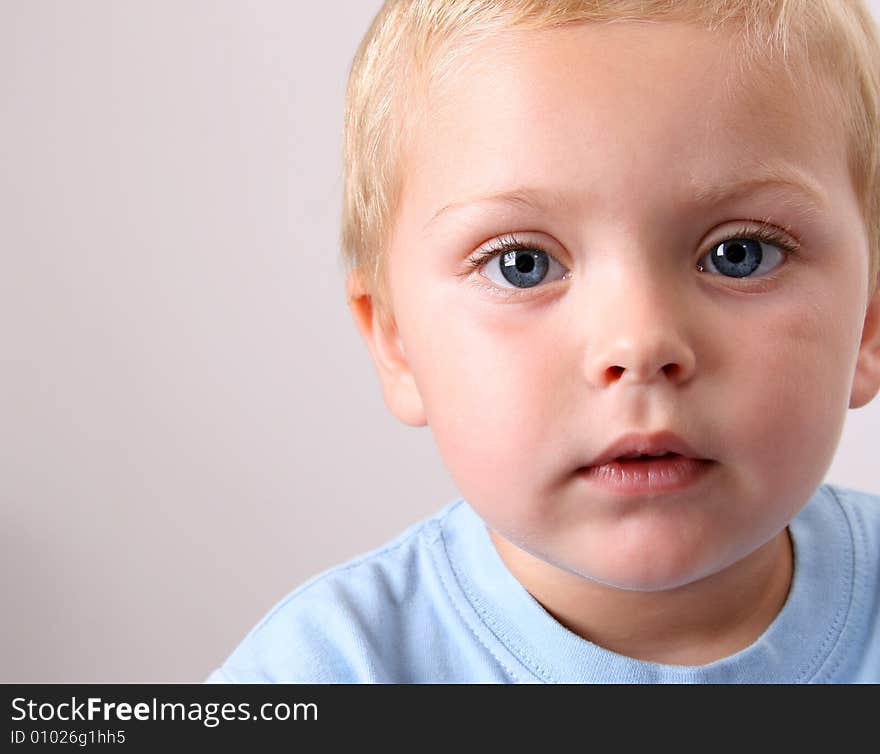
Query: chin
{"x":648,"y":569}
{"x":648,"y":582}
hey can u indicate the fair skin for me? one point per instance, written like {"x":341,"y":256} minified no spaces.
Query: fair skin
{"x":629,"y":125}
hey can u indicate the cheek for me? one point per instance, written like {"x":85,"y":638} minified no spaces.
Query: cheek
{"x":792,"y":388}
{"x":488,"y":390}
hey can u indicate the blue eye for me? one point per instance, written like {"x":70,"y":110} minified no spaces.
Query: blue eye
{"x":740,"y":257}
{"x":512,"y":263}
{"x":524,"y":268}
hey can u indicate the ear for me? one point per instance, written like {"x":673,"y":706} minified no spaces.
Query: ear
{"x":867,"y":377}
{"x":383,"y":341}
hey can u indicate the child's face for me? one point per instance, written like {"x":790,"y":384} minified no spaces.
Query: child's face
{"x":624,"y":133}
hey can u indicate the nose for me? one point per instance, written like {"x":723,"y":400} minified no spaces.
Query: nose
{"x":642,"y":340}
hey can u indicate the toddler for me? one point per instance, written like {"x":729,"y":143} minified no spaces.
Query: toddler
{"x":621,"y":257}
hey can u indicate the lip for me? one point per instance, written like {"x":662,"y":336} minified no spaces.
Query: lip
{"x":647,"y":444}
{"x":672,"y":473}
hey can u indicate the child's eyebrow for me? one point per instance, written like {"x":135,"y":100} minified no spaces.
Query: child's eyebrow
{"x":781,"y":177}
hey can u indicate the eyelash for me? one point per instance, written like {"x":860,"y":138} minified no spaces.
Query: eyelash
{"x":504,"y":244}
{"x":510,"y":242}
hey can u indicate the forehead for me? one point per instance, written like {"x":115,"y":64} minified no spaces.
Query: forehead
{"x":612,"y":111}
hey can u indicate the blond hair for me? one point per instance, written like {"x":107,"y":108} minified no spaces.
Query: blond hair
{"x":413,"y":41}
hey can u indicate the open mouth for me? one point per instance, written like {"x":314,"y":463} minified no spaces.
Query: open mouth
{"x":644,"y":457}
{"x":660,"y":452}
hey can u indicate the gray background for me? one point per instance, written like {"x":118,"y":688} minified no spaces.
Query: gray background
{"x":190,"y":425}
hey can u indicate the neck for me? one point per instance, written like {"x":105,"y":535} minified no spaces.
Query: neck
{"x":693,"y":624}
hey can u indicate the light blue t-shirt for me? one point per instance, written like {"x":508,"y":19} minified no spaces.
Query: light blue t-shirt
{"x":438,"y":605}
